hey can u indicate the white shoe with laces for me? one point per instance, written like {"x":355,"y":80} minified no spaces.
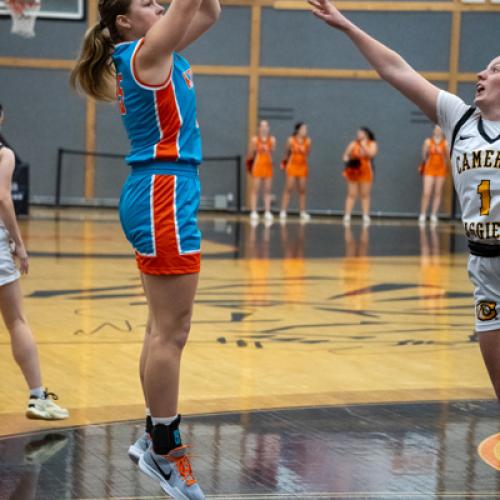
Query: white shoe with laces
{"x":366,"y":220}
{"x":173,"y":472}
{"x":45,"y":408}
{"x":434,"y":219}
{"x":421,"y":219}
{"x":346,"y":220}
{"x":304,"y":216}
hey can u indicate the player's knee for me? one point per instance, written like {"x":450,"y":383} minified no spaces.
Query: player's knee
{"x":173,"y":331}
{"x":16,"y":325}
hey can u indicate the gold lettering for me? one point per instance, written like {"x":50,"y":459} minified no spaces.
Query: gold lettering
{"x":476,"y":159}
{"x":480,"y":230}
{"x":488,"y":235}
{"x":497,"y":160}
{"x":487,"y":158}
{"x":465,"y":163}
{"x":496,"y":225}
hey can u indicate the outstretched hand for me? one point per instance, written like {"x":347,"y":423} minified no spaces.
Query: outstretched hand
{"x":326,"y":11}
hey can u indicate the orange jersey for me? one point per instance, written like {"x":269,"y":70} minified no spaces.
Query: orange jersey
{"x":263,"y":163}
{"x":365,"y":172}
{"x":436,"y":164}
{"x":297,"y":163}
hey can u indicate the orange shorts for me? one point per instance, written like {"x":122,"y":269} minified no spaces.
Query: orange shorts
{"x":435,"y":168}
{"x":262,"y":169}
{"x":297,"y":169}
{"x":361,"y":174}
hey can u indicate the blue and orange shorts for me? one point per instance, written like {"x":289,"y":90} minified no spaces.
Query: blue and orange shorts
{"x":158,"y":213}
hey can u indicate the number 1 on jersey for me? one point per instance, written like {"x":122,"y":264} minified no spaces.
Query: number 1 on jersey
{"x":483,"y":190}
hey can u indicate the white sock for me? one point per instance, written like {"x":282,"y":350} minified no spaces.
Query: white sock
{"x":164,"y":421}
{"x":148,"y":412}
{"x":37,"y":392}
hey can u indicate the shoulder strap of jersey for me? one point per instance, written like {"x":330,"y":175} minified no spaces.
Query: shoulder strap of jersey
{"x":459,"y":125}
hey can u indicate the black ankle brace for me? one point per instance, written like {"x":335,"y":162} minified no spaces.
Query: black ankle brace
{"x":166,"y":437}
{"x":149,"y":425}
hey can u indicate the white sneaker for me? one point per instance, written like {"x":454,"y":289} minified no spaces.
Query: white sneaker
{"x":45,"y":409}
{"x":346,"y":219}
{"x":254,"y":216}
{"x":366,"y":220}
{"x":421,"y":219}
{"x":173,"y":472}
{"x":304,"y":216}
{"x":434,"y":219}
{"x":268,"y":216}
{"x":136,"y":449}
{"x":283,"y":215}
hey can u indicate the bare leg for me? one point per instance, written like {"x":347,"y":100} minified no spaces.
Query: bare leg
{"x":289,"y":185}
{"x":426,"y":193}
{"x":144,"y":351}
{"x":365,"y":193}
{"x":268,"y":182}
{"x":255,"y":193}
{"x":438,"y":190}
{"x":490,"y":349}
{"x":352,"y":195}
{"x":170,"y":300}
{"x":23,"y":345}
{"x":302,"y":193}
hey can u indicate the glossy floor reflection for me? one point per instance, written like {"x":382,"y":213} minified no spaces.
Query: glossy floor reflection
{"x":426,"y":450}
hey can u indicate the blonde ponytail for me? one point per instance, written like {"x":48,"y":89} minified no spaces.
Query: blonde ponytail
{"x":94,"y":72}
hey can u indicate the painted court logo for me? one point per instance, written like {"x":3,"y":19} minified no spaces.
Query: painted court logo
{"x":489,"y":451}
{"x":486,"y":311}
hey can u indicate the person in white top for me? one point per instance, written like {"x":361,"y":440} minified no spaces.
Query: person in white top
{"x":24,"y":349}
{"x":473,"y":134}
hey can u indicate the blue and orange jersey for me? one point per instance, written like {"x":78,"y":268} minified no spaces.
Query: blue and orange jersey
{"x":160,"y":120}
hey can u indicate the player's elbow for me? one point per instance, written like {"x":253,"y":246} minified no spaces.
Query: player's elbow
{"x":5,"y":198}
{"x":215,"y":14}
{"x":212,"y":15}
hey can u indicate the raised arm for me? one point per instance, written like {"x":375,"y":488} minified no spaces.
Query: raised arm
{"x":153,"y":60}
{"x":7,"y":214}
{"x":388,"y":63}
{"x":207,"y":15}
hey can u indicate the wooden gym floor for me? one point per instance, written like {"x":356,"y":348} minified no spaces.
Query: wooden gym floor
{"x":324,"y":362}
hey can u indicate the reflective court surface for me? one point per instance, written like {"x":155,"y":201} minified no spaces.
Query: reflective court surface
{"x":380,"y":451}
{"x":315,"y":350}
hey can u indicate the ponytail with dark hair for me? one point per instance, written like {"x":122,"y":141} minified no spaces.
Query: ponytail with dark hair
{"x":369,"y":133}
{"x":94,"y":72}
{"x":296,"y":127}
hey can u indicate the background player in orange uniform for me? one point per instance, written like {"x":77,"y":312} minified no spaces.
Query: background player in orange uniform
{"x":359,"y":172}
{"x":297,"y":169}
{"x":435,"y":157}
{"x":261,"y":150}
